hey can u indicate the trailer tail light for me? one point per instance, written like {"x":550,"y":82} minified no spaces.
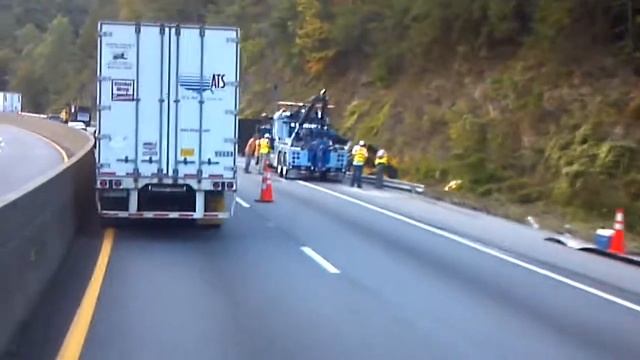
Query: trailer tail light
{"x":117,"y":184}
{"x":103,"y":183}
{"x":231,"y":186}
{"x":217,"y":186}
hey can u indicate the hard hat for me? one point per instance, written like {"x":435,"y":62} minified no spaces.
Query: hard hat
{"x":267,"y":135}
{"x":361,"y":143}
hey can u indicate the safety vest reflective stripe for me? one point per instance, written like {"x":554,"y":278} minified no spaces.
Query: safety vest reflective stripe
{"x":360,"y":156}
{"x":382,"y":160}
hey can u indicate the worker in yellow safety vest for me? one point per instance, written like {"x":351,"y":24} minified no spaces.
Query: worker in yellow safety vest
{"x":264,"y":146}
{"x":382,"y":160}
{"x":360,"y":155}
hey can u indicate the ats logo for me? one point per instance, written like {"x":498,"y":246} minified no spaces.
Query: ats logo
{"x":196,"y":84}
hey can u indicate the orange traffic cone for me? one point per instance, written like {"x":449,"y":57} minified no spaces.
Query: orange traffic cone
{"x":266,"y":189}
{"x":617,"y":241}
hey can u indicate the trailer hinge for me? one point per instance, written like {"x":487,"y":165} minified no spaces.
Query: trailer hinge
{"x":104,"y":108}
{"x":104,"y":78}
{"x":230,"y":141}
{"x":104,"y":137}
{"x":233,"y":83}
{"x":231,"y":112}
{"x":234,"y":40}
{"x":105,"y":34}
{"x":231,"y":168}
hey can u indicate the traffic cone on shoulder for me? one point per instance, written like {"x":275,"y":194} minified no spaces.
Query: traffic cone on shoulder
{"x":617,"y":241}
{"x":266,"y":188}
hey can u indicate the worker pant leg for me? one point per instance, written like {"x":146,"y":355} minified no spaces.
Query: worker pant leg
{"x":247,"y":163}
{"x":356,"y":179}
{"x":380,"y":176}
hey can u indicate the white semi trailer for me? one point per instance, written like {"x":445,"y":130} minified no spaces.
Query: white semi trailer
{"x":10,"y":102}
{"x":168,"y":100}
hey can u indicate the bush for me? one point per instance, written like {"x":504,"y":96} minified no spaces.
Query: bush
{"x":530,"y":195}
{"x":631,"y":187}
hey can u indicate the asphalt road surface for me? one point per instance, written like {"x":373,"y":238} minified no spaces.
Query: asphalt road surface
{"x":340,"y":273}
{"x":23,"y":158}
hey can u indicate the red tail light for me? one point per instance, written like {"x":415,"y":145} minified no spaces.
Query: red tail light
{"x":231,"y":185}
{"x":217,"y":186}
{"x":117,"y":183}
{"x":103,"y":183}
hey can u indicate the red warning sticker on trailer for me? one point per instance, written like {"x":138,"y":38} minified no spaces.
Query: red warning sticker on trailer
{"x":122,"y":90}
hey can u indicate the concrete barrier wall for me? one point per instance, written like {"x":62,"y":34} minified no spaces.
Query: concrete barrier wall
{"x":38,"y":222}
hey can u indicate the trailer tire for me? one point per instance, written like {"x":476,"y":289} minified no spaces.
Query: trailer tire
{"x":209,"y":223}
{"x":279,"y":166}
{"x":285,"y":170}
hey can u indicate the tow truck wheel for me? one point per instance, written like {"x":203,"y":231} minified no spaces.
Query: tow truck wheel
{"x":279,"y":165}
{"x":285,"y":170}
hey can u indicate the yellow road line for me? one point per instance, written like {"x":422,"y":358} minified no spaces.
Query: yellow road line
{"x":74,"y":341}
{"x":65,"y":157}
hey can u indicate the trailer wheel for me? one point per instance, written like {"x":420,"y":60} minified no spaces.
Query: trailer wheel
{"x":209,"y":223}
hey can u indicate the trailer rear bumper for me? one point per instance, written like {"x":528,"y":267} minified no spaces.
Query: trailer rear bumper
{"x":163,"y":215}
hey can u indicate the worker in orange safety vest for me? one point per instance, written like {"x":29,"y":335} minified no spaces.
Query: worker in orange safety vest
{"x":249,"y":153}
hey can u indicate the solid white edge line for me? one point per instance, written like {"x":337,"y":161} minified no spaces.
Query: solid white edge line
{"x":242,"y":203}
{"x":320,"y":260}
{"x":482,"y":248}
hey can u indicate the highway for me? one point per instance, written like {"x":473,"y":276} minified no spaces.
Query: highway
{"x":24,"y":156}
{"x":330,"y":272}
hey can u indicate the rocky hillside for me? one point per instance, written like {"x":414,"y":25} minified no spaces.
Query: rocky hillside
{"x":526,"y":101}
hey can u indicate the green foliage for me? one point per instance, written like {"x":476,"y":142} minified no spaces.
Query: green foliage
{"x":355,"y":111}
{"x":193,"y":11}
{"x":468,"y":135}
{"x":253,"y":51}
{"x":510,"y":120}
{"x":28,"y":37}
{"x":371,"y":128}
{"x":553,"y":18}
{"x":313,"y":36}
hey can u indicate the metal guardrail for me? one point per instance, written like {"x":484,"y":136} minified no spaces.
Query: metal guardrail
{"x":394,"y":184}
{"x":588,"y":247}
{"x":41,"y":116}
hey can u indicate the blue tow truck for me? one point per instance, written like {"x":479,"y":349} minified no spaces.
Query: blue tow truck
{"x":304,"y":144}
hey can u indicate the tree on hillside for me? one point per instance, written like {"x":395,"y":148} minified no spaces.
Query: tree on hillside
{"x":47,"y":74}
{"x":313,"y":36}
{"x":27,"y":38}
{"x":193,"y":11}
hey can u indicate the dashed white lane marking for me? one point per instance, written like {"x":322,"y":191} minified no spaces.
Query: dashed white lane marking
{"x":320,"y":260}
{"x":243,"y":203}
{"x":484,"y":249}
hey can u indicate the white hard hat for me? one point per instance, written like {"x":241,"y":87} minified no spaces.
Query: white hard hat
{"x":361,"y":143}
{"x":267,"y":135}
